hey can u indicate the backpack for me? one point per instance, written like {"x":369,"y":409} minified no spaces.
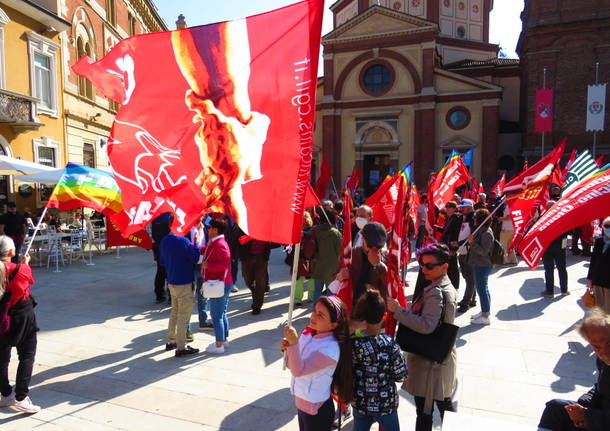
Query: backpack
{"x":497,"y":253}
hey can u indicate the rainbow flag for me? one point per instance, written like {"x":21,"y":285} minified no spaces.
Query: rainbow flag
{"x":82,"y":186}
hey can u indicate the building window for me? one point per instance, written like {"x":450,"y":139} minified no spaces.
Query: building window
{"x":88,"y":155}
{"x":85,"y":88}
{"x":111,"y":12}
{"x":458,"y":118}
{"x":46,"y":152}
{"x":132,"y":24}
{"x":43,"y":73}
{"x":461,"y":32}
{"x":377,"y":77}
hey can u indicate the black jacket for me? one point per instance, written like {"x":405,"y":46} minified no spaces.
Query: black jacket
{"x":597,"y":401}
{"x":451,"y":230}
{"x":600,"y":262}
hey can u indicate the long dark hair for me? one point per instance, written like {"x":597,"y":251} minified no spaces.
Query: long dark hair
{"x":342,"y":377}
{"x":370,"y":307}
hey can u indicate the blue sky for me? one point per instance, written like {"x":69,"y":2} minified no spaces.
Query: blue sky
{"x":504,"y":28}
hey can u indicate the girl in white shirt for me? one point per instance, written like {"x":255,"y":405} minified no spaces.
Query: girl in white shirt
{"x":320,"y":361}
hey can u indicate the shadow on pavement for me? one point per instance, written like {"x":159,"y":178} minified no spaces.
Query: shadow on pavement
{"x":577,"y":365}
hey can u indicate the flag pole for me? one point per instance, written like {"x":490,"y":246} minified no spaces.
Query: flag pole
{"x":595,"y":131}
{"x":462,"y":248}
{"x":543,"y":87}
{"x":293,"y":283}
{"x":332,"y":180}
{"x":36,"y":229}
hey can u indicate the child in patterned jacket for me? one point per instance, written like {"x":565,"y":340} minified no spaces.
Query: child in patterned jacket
{"x":377,"y":365}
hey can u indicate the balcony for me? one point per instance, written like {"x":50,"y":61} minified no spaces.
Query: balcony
{"x":18,"y":111}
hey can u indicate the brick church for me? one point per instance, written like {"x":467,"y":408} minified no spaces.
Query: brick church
{"x":413,"y":79}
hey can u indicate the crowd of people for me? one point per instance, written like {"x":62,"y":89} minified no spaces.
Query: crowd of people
{"x":345,"y":353}
{"x":473,"y":237}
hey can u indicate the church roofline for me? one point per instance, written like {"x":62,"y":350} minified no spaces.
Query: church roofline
{"x":423,"y":25}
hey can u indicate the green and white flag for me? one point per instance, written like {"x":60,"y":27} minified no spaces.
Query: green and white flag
{"x":583,"y":167}
{"x":596,"y":107}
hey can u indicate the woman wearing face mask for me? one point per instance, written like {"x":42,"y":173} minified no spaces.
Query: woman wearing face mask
{"x":364,"y":214}
{"x":598,"y":278}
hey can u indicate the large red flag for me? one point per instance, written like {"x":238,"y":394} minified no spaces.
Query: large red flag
{"x":346,"y":291}
{"x":323,"y":179}
{"x":600,"y":160}
{"x":588,"y":201}
{"x":498,"y":187}
{"x":544,"y":110}
{"x":454,"y":174}
{"x":395,"y":285}
{"x":524,"y":192}
{"x":216,"y":118}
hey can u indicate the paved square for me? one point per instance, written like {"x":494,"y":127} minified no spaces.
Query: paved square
{"x":101,"y":363}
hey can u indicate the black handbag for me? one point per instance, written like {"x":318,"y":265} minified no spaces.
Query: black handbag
{"x":434,"y":346}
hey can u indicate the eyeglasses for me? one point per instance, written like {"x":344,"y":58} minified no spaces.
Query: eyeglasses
{"x":429,"y":265}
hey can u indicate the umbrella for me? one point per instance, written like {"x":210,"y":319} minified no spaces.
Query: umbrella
{"x":12,"y":166}
{"x":43,"y":177}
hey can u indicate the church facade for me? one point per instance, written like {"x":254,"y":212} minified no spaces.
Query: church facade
{"x":410,"y":80}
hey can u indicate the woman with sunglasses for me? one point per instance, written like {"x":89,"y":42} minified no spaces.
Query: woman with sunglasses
{"x":598,"y":277}
{"x":479,"y":257}
{"x":428,"y":381}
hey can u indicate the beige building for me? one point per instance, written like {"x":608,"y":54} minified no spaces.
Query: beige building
{"x":96,"y":26}
{"x":411,"y":80}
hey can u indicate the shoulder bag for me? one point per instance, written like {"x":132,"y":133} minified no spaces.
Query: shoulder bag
{"x":213,"y":288}
{"x":434,"y":346}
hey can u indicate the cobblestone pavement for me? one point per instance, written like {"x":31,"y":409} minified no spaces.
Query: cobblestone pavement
{"x":101,"y":363}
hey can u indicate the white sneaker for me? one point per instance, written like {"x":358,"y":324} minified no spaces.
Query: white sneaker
{"x":215,"y":350}
{"x":8,"y":400}
{"x":26,"y":406}
{"x":225,"y":344}
{"x":481,"y":320}
{"x":234,"y":289}
{"x":476,"y":316}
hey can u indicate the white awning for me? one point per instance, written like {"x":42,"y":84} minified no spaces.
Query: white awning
{"x":12,"y":166}
{"x":44,"y":177}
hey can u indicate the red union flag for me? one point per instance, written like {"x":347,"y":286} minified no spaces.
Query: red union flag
{"x":114,"y":237}
{"x":346,"y":292}
{"x":523,"y":193}
{"x":216,"y":118}
{"x":451,"y":176}
{"x":544,"y":110}
{"x":498,"y":188}
{"x":588,"y":201}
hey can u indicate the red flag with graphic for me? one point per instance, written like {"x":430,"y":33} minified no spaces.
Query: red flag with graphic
{"x":322,"y":181}
{"x":395,"y":285}
{"x":568,"y":165}
{"x":588,"y":201}
{"x":544,"y":110}
{"x":383,"y":202}
{"x":115,"y":238}
{"x":454,"y":174}
{"x":354,"y":180}
{"x":524,"y":192}
{"x":498,"y":187}
{"x":346,"y":291}
{"x":216,"y":118}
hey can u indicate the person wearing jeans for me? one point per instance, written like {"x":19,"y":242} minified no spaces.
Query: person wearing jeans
{"x":216,"y":265}
{"x":479,"y":258}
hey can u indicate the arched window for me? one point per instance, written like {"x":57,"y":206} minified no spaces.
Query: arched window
{"x":85,"y":88}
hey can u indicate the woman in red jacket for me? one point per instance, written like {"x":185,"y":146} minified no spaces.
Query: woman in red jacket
{"x":217,"y":266}
{"x":21,"y":332}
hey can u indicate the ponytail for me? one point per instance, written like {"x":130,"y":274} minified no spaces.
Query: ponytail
{"x":342,"y":385}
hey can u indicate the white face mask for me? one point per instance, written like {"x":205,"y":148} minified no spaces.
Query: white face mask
{"x":360,"y":222}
